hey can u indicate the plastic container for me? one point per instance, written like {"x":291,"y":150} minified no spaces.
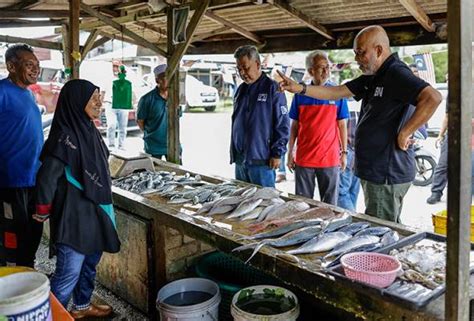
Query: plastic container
{"x":231,"y":275}
{"x":440,"y":222}
{"x":24,"y":294}
{"x":203,"y":311}
{"x":378,"y":270}
{"x":240,"y":315}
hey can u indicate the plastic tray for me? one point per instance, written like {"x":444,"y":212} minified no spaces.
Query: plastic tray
{"x":416,"y":303}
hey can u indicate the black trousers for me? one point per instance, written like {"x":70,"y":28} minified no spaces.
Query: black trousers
{"x":20,"y":234}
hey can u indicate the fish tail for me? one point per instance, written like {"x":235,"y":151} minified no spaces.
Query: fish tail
{"x":245,"y":247}
{"x":255,"y":251}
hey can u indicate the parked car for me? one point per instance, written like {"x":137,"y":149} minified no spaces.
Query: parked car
{"x":197,"y":94}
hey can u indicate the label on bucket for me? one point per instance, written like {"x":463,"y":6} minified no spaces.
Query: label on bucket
{"x":41,"y":312}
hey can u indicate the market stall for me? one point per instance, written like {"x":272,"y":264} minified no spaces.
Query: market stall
{"x":173,"y":235}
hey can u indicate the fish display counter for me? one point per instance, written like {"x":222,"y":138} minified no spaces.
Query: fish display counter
{"x":294,"y":239}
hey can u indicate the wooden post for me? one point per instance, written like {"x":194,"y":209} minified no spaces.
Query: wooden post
{"x":75,"y":56}
{"x":459,"y":159}
{"x":173,"y":99}
{"x":66,"y":51}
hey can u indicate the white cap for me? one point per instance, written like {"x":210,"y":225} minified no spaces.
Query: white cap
{"x":160,"y":69}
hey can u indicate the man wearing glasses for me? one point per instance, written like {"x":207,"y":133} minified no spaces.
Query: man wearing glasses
{"x":319,"y":129}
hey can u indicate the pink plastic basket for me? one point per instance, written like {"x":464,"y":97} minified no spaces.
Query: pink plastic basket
{"x":376,"y":269}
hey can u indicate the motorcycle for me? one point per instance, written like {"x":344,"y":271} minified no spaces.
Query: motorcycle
{"x":425,"y":162}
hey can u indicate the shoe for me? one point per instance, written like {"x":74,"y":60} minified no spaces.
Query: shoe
{"x":434,"y":198}
{"x":94,"y":310}
{"x":280,"y":178}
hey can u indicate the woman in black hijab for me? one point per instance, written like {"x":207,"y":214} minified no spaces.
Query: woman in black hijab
{"x":74,"y":189}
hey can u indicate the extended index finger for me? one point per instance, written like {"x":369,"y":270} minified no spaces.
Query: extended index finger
{"x":282,"y":75}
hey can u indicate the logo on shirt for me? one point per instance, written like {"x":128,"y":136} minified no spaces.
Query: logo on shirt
{"x":378,"y":92}
{"x":262,"y":97}
{"x":332,"y":102}
{"x":284,"y":110}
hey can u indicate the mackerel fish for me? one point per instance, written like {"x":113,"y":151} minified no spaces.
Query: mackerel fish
{"x":323,"y":243}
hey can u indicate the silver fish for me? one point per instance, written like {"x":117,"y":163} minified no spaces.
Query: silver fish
{"x":338,"y":222}
{"x":249,"y":192}
{"x":267,"y":211}
{"x":245,"y":207}
{"x":266,"y":193}
{"x":376,"y":230}
{"x":323,"y":243}
{"x":221,"y":209}
{"x":390,"y":238}
{"x":253,"y":214}
{"x":351,"y":244}
{"x":354,"y":227}
{"x":287,"y":209}
{"x":285,"y":229}
{"x":295,"y":237}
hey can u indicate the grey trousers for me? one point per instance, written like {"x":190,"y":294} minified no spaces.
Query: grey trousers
{"x":328,"y":182}
{"x":440,"y":178}
{"x":384,"y":201}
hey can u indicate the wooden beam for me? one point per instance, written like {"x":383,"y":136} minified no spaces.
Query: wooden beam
{"x":123,"y":20}
{"x":25,"y":4}
{"x":100,"y":42}
{"x":119,"y":37}
{"x":141,"y":41}
{"x":21,"y":23}
{"x":304,"y":40}
{"x":152,"y":27}
{"x":67,"y":49}
{"x":203,"y":36}
{"x":73,"y":36}
{"x":32,"y":42}
{"x":419,"y":14}
{"x":247,"y":34}
{"x":459,"y":158}
{"x":89,"y":43}
{"x":308,"y":21}
{"x":34,"y":13}
{"x":130,"y":4}
{"x":173,"y":62}
{"x":173,"y":98}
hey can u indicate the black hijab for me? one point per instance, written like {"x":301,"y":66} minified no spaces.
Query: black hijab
{"x":75,"y":140}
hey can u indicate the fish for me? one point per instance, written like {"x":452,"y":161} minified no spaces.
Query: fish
{"x":284,"y":229}
{"x":205,"y":208}
{"x":376,"y":230}
{"x":362,"y":248}
{"x":245,"y":207}
{"x":266,"y":193}
{"x":352,"y":243}
{"x":179,"y":200}
{"x":354,"y":227}
{"x":221,"y":209}
{"x":250,"y":191}
{"x":389,"y":238}
{"x":338,"y":222}
{"x":267,"y":210}
{"x":322,"y":243}
{"x":287,"y":209}
{"x":253,"y":214}
{"x":319,"y":212}
{"x":292,"y":238}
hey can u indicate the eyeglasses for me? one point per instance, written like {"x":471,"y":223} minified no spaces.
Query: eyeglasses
{"x":321,"y":68}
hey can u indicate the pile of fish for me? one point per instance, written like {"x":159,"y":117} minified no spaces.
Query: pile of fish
{"x":179,"y":189}
{"x":423,"y":264}
{"x":336,"y":236}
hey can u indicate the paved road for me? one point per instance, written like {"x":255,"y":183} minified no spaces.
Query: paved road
{"x":205,"y":140}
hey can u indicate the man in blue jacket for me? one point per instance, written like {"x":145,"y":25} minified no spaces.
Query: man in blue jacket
{"x":260,"y":123}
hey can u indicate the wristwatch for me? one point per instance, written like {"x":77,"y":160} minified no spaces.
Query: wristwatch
{"x":303,"y":91}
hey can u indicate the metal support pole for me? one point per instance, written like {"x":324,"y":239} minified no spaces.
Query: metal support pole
{"x":173,"y":100}
{"x":459,"y":159}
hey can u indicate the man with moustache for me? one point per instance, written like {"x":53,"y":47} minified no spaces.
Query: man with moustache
{"x":22,"y":140}
{"x":384,"y":159}
{"x":260,"y":123}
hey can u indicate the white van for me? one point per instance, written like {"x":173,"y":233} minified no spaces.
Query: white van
{"x":198,"y":95}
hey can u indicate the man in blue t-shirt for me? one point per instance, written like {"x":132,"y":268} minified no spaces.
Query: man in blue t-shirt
{"x":384,"y":159}
{"x":22,"y":140}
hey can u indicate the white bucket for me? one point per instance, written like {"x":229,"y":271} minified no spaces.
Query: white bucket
{"x":204,"y":311}
{"x":240,"y":315}
{"x":25,"y":296}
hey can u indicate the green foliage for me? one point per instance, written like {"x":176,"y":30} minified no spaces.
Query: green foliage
{"x":440,"y":62}
{"x":245,"y":294}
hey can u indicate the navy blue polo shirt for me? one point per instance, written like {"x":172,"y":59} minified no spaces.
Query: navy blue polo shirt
{"x":386,"y":97}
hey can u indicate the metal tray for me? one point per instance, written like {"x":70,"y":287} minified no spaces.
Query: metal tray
{"x":413,"y":303}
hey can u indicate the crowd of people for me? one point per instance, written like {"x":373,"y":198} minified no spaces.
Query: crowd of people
{"x":67,"y":179}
